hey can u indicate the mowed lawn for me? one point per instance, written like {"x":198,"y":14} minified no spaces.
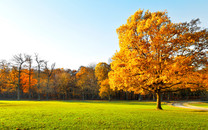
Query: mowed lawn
{"x":97,"y":115}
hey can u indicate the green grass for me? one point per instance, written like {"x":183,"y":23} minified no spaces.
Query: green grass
{"x":200,"y":104}
{"x":97,"y":115}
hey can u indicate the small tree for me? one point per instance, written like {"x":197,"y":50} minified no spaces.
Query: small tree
{"x":101,"y":72}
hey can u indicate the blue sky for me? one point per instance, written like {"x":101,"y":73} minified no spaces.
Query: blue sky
{"x":78,"y":32}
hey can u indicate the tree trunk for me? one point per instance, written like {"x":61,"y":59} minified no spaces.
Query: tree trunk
{"x":83,"y":94}
{"x":38,"y":96}
{"x":140,"y":97}
{"x":109,"y":94}
{"x":109,"y":97}
{"x":158,"y":93}
{"x":18,"y":93}
{"x":66,"y":97}
{"x":168,"y":96}
{"x":187,"y":95}
{"x":47,"y":96}
{"x":73,"y":94}
{"x":127,"y":95}
{"x":92,"y":96}
{"x":153,"y":96}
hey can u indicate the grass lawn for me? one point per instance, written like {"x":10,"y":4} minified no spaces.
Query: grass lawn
{"x":200,"y":104}
{"x":97,"y":115}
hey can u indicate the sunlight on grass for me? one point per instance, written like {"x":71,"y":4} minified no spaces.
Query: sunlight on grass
{"x":200,"y":104}
{"x":97,"y":115}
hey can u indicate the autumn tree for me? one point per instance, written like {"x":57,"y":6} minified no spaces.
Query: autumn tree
{"x":94,"y":88}
{"x":86,"y":81}
{"x":27,"y":81}
{"x":48,"y":71}
{"x":5,"y":80}
{"x":203,"y":79}
{"x":81,"y":80}
{"x":101,"y":72}
{"x":157,"y":55}
{"x":63,"y":81}
{"x":30,"y":71}
{"x":39,"y":66}
{"x":19,"y":60}
{"x":3,"y":72}
{"x":73,"y":82}
{"x":12,"y":81}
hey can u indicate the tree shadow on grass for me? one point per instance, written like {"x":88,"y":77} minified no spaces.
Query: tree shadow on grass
{"x":199,"y":111}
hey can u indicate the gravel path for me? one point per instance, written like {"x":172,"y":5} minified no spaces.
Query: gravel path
{"x":186,"y":105}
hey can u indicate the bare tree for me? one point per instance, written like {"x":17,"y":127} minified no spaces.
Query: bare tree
{"x":39,"y":65}
{"x":19,"y":60}
{"x":49,"y":73}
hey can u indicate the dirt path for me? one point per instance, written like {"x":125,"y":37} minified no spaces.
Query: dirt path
{"x":186,"y":105}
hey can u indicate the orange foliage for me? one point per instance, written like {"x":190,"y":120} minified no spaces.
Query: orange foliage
{"x":101,"y":71}
{"x":84,"y":77}
{"x":25,"y":80}
{"x":8,"y":80}
{"x":157,"y":55}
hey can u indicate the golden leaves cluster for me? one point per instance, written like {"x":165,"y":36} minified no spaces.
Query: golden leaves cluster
{"x":101,"y":71}
{"x":157,"y":54}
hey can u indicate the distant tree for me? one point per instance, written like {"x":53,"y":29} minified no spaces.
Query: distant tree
{"x":101,"y":71}
{"x":73,"y":83}
{"x":48,"y":73}
{"x":203,"y":79}
{"x":94,"y":88}
{"x":27,"y":81}
{"x":19,"y":60}
{"x":86,"y":81}
{"x":62,"y":81}
{"x":30,"y":71}
{"x":82,"y":80}
{"x":157,"y":55}
{"x":3,"y":72}
{"x":39,"y":66}
{"x":12,"y":81}
{"x":4,"y":77}
{"x":105,"y":90}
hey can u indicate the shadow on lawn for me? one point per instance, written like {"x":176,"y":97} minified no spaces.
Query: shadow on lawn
{"x":199,"y":111}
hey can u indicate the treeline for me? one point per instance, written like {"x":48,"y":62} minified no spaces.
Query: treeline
{"x":29,"y":77}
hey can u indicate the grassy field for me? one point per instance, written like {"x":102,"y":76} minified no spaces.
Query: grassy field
{"x":200,"y":104}
{"x":97,"y":115}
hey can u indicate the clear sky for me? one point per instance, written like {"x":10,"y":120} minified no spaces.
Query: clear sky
{"x":78,"y":32}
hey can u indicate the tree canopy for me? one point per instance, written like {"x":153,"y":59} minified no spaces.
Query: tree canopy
{"x":157,"y":55}
{"x":101,"y":71}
